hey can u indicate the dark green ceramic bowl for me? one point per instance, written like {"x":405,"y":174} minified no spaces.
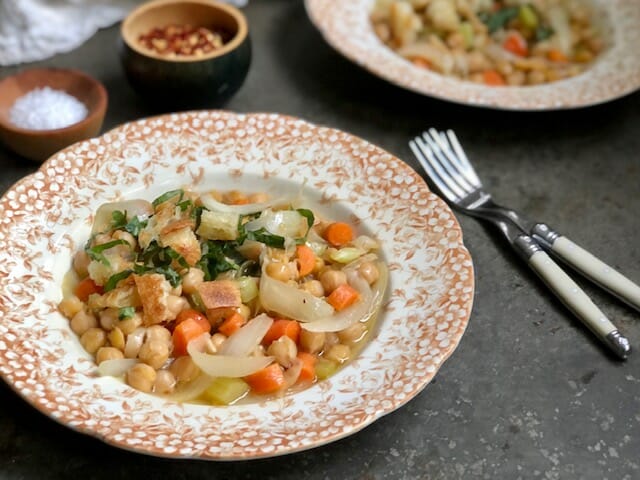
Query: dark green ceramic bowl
{"x":186,"y":81}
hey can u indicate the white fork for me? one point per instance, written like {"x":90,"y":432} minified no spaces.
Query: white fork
{"x":448,"y":167}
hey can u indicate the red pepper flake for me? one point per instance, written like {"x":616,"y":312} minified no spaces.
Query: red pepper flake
{"x":183,"y":40}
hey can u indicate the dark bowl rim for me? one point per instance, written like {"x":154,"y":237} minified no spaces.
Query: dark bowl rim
{"x":98,"y":111}
{"x":237,"y":40}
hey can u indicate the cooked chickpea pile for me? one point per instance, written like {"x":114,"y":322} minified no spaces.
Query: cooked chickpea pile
{"x":154,"y":276}
{"x":493,"y":42}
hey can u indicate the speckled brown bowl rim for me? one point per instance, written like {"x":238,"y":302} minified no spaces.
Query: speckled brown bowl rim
{"x":316,"y":416}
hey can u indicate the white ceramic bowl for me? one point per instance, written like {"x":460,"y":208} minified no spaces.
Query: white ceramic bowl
{"x":346,"y":26}
{"x":45,"y":217}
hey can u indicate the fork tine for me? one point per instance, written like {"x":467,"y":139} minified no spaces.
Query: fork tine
{"x":470,"y":173}
{"x":421,"y":155}
{"x":451,"y":167}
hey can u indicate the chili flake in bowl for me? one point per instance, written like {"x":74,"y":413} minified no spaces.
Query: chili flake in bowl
{"x":177,"y":40}
{"x":185,"y":53}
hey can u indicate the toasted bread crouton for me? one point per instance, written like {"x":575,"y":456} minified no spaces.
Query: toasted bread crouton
{"x":154,"y":290}
{"x":183,"y":241}
{"x":219,"y":294}
{"x":124,"y":296}
{"x":217,"y":315}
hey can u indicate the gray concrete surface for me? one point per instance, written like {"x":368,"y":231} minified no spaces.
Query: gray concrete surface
{"x":528,"y":393}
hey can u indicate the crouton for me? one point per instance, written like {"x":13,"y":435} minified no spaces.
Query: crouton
{"x":220,"y":298}
{"x":125,"y":296}
{"x":183,"y":241}
{"x":219,"y":294}
{"x":153,"y":290}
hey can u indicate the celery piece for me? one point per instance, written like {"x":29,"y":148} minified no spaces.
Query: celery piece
{"x":325,"y":368}
{"x":466,"y":30}
{"x":248,"y":288}
{"x":225,"y":391}
{"x":528,"y":17}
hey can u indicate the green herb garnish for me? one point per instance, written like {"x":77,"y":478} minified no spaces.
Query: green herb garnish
{"x":95,"y":253}
{"x":308,"y":214}
{"x":168,"y":196}
{"x":497,"y":20}
{"x":115,"y":279}
{"x":126,"y":312}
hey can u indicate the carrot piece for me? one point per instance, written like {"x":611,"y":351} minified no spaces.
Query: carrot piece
{"x":306,"y":260}
{"x":280,"y":328}
{"x":308,"y":371}
{"x":232,"y":324}
{"x":85,"y":288}
{"x":184,"y":332}
{"x":194,"y":315}
{"x":343,"y":296}
{"x":266,"y":380}
{"x":516,"y":44}
{"x":556,"y":55}
{"x":493,"y":78}
{"x":338,"y":234}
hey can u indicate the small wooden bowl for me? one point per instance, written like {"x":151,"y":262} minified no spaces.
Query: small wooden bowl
{"x":187,"y":81}
{"x":41,"y":144}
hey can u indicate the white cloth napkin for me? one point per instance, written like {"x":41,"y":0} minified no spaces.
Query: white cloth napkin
{"x":33,"y":30}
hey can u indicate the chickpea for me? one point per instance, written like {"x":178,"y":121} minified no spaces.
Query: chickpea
{"x":109,"y":318}
{"x":279,"y":271}
{"x":101,"y":239}
{"x":81,"y":262}
{"x":535,"y":77}
{"x":332,"y":279}
{"x":353,"y":333}
{"x":93,"y":339}
{"x":314,"y":287}
{"x":154,"y":353}
{"x":176,"y":304}
{"x":477,"y":62}
{"x":108,"y":353}
{"x":330,"y":340}
{"x":517,"y":78}
{"x":369,"y":271}
{"x":177,"y":291}
{"x":184,"y":369}
{"x":338,"y":353}
{"x":116,"y":338}
{"x":217,"y":339}
{"x":159,"y":333}
{"x":129,"y":324}
{"x":319,"y":265}
{"x":312,"y":342}
{"x":83,"y":321}
{"x":127,"y":237}
{"x":284,"y":350}
{"x":191,"y":280}
{"x":141,"y":377}
{"x":165,"y":382}
{"x":245,"y":311}
{"x":70,"y":306}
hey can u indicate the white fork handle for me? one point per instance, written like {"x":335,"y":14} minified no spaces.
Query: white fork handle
{"x":579,"y":303}
{"x":589,"y":265}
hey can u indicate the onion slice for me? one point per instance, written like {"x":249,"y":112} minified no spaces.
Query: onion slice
{"x":361,"y":311}
{"x":134,"y":208}
{"x":189,"y":391}
{"x":226,"y":365}
{"x":116,"y":367}
{"x":246,"y":339}
{"x":212,"y":204}
{"x":291,"y":302}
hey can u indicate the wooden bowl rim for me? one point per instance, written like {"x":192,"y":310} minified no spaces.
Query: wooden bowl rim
{"x":235,"y":42}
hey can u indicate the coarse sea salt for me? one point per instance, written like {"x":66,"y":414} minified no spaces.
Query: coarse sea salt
{"x":47,"y":109}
